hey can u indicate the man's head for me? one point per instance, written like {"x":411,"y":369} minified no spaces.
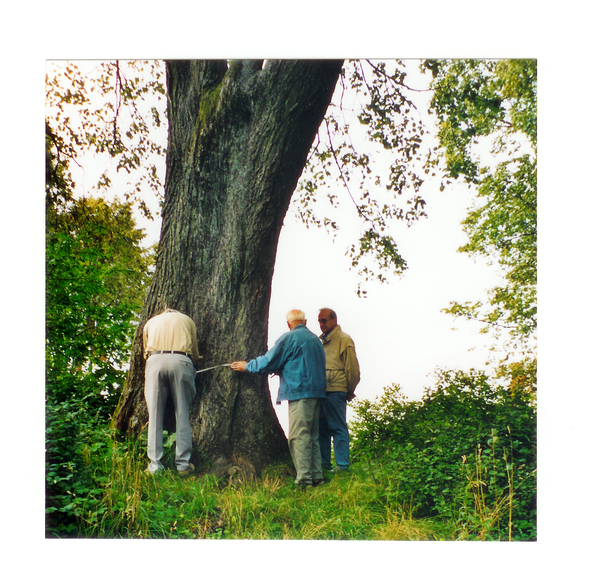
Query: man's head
{"x":295,"y":317}
{"x":327,"y":320}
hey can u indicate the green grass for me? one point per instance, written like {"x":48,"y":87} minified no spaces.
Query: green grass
{"x":460,"y":464}
{"x":127,"y":503}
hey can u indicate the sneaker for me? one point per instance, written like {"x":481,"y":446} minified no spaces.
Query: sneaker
{"x":318,"y":482}
{"x":339,"y":469}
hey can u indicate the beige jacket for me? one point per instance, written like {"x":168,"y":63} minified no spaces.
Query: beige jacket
{"x":343,"y":371}
{"x":172,"y":331}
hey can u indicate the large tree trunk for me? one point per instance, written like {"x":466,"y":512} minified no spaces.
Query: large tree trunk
{"x":239,"y":135}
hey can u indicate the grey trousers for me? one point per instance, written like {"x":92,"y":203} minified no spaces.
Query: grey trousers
{"x":169,"y":374}
{"x":303,"y":439}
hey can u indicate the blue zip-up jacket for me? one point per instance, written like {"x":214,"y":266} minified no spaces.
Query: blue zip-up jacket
{"x":298,"y":359}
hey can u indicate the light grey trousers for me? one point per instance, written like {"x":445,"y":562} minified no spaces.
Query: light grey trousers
{"x":169,"y":374}
{"x":303,"y":439}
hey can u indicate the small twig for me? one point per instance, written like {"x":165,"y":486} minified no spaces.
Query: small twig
{"x":344,"y":178}
{"x":118,"y":89}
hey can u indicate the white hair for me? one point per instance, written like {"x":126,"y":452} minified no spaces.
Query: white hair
{"x":295,"y":315}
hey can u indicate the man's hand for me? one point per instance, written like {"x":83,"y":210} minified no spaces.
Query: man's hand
{"x":238,"y":366}
{"x":350,"y":396}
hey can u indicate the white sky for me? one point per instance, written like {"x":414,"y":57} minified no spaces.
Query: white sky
{"x":563,"y":38}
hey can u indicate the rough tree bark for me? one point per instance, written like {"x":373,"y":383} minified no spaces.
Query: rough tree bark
{"x":239,"y":136}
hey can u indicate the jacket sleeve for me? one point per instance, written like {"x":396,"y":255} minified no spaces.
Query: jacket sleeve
{"x":271,"y":362}
{"x":351,"y":367}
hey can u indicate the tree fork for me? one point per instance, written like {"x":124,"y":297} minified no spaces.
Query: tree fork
{"x":239,"y":137}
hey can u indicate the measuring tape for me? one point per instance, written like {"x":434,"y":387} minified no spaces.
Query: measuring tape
{"x":212,"y":368}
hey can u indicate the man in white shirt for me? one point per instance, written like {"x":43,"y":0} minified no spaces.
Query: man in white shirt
{"x":170,"y":348}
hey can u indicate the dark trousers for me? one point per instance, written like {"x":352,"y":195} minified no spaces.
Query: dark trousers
{"x":332,"y":426}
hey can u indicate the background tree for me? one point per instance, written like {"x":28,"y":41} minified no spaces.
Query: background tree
{"x":494,"y":102}
{"x":97,"y":273}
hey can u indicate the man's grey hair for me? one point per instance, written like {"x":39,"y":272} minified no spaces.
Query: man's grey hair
{"x":332,"y":313}
{"x":295,"y":315}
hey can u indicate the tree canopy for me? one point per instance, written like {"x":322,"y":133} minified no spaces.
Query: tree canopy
{"x":371,"y":157}
{"x":119,"y":109}
{"x":112,"y":109}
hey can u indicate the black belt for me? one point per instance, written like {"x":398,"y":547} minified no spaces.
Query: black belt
{"x":169,"y":351}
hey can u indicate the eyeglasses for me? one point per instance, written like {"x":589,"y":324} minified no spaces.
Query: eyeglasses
{"x":324,"y":320}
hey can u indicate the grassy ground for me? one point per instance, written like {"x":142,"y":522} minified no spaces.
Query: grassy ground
{"x":347,"y":507}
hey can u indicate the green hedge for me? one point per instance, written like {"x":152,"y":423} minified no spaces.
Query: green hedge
{"x":466,"y":452}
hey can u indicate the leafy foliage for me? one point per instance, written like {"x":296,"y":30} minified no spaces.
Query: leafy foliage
{"x":475,"y":101}
{"x":115,"y":109}
{"x":382,"y":113}
{"x":75,"y":436}
{"x":96,"y":276}
{"x":466,"y":452}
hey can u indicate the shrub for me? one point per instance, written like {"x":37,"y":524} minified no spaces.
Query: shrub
{"x":74,"y":438}
{"x":466,"y":452}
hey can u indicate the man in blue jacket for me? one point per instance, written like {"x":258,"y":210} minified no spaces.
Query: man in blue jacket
{"x":298,"y":359}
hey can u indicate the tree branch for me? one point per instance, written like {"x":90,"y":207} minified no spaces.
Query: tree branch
{"x":337,"y":162}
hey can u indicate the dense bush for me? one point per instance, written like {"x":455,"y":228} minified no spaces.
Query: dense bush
{"x":96,"y":277}
{"x":76,"y":439}
{"x":466,"y":452}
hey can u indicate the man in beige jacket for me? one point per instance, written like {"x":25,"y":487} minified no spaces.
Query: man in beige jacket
{"x":343,"y":375}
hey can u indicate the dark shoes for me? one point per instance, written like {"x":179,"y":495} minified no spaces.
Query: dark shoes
{"x":309,"y":486}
